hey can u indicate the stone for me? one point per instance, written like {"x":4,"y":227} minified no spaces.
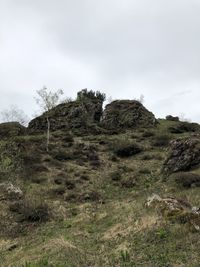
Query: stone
{"x":124,"y":114}
{"x":175,"y":209}
{"x":10,"y":192}
{"x":184,"y":154}
{"x":80,"y":116}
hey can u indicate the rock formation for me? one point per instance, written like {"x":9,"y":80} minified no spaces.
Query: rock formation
{"x":78,"y":116}
{"x":123,"y":114}
{"x":184,"y":154}
{"x":85,"y":115}
{"x":176,"y":209}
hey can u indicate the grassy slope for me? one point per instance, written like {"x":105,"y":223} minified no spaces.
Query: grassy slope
{"x":118,"y":231}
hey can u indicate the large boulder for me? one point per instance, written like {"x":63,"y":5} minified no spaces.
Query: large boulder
{"x":124,"y":114}
{"x":184,"y":154}
{"x":11,"y":129}
{"x":81,"y":116}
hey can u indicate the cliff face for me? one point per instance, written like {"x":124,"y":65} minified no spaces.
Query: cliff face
{"x":127,"y":114}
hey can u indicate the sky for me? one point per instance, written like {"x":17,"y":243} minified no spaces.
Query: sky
{"x":123,"y":48}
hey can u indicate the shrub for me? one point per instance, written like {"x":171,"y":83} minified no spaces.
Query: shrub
{"x":58,"y":191}
{"x":62,"y":155}
{"x":38,"y":179}
{"x":187,"y":179}
{"x":147,"y":157}
{"x":183,"y":127}
{"x":33,"y":209}
{"x":68,"y":138}
{"x":148,"y":134}
{"x":161,"y":140}
{"x":85,"y":94}
{"x":172,"y":118}
{"x":128,"y":182}
{"x":36,"y":168}
{"x":83,"y":197}
{"x":116,"y":175}
{"x":123,"y":149}
{"x":144,"y":170}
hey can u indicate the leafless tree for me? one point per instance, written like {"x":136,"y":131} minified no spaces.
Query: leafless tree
{"x":13,"y":113}
{"x":46,"y":101}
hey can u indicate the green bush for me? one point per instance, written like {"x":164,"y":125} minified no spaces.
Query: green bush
{"x":85,"y":94}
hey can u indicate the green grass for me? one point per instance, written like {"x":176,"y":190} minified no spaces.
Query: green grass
{"x":118,"y":230}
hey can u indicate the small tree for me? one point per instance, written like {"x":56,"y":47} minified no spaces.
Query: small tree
{"x":13,"y":113}
{"x":48,"y":100}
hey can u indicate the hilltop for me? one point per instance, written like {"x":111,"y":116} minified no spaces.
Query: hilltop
{"x":117,"y":187}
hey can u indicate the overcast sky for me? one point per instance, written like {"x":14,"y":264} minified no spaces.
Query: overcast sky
{"x":123,"y":47}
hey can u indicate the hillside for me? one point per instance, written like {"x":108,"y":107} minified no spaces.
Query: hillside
{"x":100,"y":196}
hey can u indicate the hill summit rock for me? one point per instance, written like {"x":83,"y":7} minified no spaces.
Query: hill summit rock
{"x":80,"y":116}
{"x":85,"y":115}
{"x":127,"y":114}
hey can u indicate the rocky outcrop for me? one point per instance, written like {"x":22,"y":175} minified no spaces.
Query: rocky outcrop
{"x":11,"y":129}
{"x":184,"y":154}
{"x":174,"y":209}
{"x":123,"y":114}
{"x":78,"y":116}
{"x":85,"y":115}
{"x":10,"y":192}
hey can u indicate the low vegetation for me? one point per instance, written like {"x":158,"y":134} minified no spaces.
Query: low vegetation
{"x":84,"y":202}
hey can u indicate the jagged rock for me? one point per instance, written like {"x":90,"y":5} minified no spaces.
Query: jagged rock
{"x":126,"y":114}
{"x":78,"y":116}
{"x":10,"y":129}
{"x":184,"y":154}
{"x":176,"y":209}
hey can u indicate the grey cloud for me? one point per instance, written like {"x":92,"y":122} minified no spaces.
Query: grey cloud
{"x":126,"y":48}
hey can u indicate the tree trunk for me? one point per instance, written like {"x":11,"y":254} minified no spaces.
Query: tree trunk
{"x":48,"y":133}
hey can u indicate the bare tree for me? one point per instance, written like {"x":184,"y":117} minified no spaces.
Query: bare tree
{"x":46,"y":101}
{"x":13,"y":113}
